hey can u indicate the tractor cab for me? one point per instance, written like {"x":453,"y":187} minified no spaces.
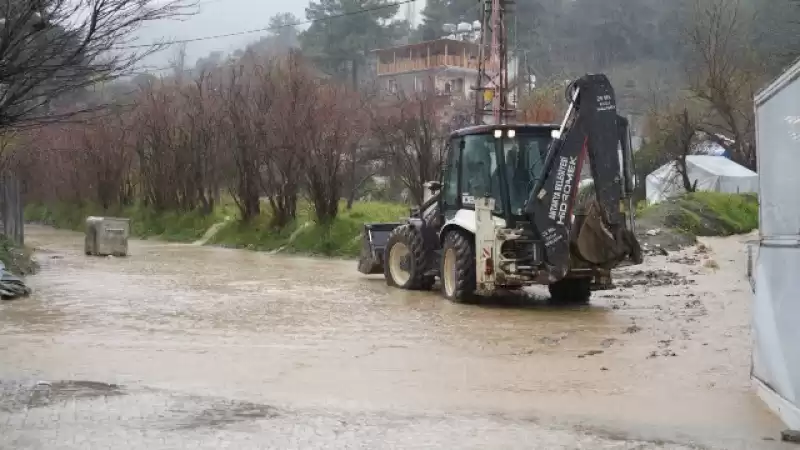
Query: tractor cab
{"x":501,"y":162}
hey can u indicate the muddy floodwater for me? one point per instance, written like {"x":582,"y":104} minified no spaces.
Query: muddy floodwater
{"x":181,"y":346}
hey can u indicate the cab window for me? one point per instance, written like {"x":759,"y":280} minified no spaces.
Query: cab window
{"x":479,"y":175}
{"x":450,"y":177}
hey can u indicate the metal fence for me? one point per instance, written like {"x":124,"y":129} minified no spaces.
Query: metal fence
{"x":11,"y":208}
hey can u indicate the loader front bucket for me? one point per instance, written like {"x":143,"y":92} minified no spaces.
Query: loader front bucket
{"x":373,"y":244}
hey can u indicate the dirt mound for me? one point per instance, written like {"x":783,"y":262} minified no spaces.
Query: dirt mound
{"x":657,"y":239}
{"x":676,"y":223}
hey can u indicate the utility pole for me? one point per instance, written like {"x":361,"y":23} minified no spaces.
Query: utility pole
{"x":491,"y":96}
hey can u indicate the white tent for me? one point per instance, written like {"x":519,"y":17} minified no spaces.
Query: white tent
{"x":711,"y":173}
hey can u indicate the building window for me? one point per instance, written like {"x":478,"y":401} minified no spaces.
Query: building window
{"x":391,"y":84}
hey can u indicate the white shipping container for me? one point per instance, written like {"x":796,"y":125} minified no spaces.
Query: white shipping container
{"x":776,"y":305}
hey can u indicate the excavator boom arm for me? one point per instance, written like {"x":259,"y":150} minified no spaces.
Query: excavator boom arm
{"x":591,"y":128}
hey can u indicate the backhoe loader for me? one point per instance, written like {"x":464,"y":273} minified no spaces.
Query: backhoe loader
{"x":504,"y":216}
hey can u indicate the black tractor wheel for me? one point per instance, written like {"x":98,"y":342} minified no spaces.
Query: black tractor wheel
{"x":406,"y":259}
{"x":571,"y":291}
{"x":458,"y":267}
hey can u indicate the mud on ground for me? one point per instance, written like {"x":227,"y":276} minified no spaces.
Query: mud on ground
{"x":180,"y":346}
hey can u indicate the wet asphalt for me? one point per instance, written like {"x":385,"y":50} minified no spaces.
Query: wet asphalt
{"x":181,"y":346}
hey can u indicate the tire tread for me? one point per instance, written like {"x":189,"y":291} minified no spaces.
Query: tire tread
{"x":409,"y":236}
{"x":465,"y":265}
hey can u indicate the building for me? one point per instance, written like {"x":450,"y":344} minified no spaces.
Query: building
{"x":446,"y":67}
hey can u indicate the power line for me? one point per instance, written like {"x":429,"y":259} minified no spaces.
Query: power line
{"x":261,"y":30}
{"x":151,"y":69}
{"x":208,"y":2}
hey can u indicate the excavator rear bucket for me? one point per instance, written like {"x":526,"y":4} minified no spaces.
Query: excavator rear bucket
{"x":602,"y":247}
{"x":373,"y":244}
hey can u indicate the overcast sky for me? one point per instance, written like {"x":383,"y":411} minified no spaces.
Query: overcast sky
{"x":222,"y":17}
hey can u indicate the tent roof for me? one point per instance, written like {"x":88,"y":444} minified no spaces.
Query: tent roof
{"x":714,"y":165}
{"x":719,"y":165}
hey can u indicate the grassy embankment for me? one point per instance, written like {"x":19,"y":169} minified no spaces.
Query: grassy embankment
{"x":703,"y":214}
{"x":691,"y":215}
{"x":685,"y":217}
{"x":340,"y":239}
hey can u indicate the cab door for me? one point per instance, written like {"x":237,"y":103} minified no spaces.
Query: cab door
{"x":451,"y":182}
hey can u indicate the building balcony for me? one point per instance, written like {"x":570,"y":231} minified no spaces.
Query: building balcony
{"x":425,"y":56}
{"x":422,"y":64}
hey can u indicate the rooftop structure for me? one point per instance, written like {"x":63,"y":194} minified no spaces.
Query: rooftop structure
{"x":444,"y":66}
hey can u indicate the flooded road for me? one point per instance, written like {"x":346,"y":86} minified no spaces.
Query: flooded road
{"x":181,"y":346}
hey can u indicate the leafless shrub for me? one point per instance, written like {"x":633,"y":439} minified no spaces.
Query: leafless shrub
{"x":413,"y":131}
{"x":263,"y":128}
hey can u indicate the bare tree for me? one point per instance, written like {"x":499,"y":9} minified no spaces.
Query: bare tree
{"x":675,"y":131}
{"x":50,"y":48}
{"x":412,"y":129}
{"x":201,"y":140}
{"x":156,"y":142}
{"x":108,"y":156}
{"x":363,"y":163}
{"x":9,"y":142}
{"x":336,"y":129}
{"x":245,"y":159}
{"x":294,"y":111}
{"x":542,"y":105}
{"x":725,"y":74}
{"x":364,"y":159}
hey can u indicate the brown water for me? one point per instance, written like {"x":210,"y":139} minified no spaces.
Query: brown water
{"x":666,"y":358}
